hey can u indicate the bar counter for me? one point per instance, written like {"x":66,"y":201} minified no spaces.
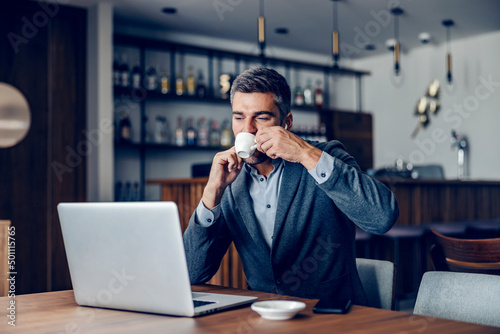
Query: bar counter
{"x":440,"y":201}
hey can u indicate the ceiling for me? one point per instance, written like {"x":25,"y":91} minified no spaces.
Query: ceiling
{"x":310,"y":22}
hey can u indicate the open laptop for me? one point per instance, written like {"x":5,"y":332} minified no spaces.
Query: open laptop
{"x":130,"y":256}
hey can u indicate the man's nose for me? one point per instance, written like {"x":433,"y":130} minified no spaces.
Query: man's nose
{"x":249,"y":126}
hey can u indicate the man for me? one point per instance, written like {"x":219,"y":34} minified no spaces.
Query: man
{"x":290,"y":209}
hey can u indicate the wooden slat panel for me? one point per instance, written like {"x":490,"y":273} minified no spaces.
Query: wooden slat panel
{"x":186,"y":193}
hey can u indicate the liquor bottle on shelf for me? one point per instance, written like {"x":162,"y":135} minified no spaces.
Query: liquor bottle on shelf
{"x":128,"y":192}
{"x":201,"y":89}
{"x":151,"y":78}
{"x":315,"y":133}
{"x":322,"y":133}
{"x":136,"y":76}
{"x":191,"y":133}
{"x":310,"y":132}
{"x":318,"y":95}
{"x":226,"y":135}
{"x":149,"y":135}
{"x":302,"y":132}
{"x":179,"y":85}
{"x":295,"y":130}
{"x":124,"y":72}
{"x":305,"y":132}
{"x":215,"y":134}
{"x":308,"y":94}
{"x":125,"y":129}
{"x":135,"y":193}
{"x":161,"y":133}
{"x":118,"y":191}
{"x":179,"y":133}
{"x":116,"y":72}
{"x":225,"y":85}
{"x":298,"y":96}
{"x":165,"y":83}
{"x":191,"y":82}
{"x":203,"y":132}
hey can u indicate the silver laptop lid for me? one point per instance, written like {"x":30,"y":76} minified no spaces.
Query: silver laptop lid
{"x":127,"y":256}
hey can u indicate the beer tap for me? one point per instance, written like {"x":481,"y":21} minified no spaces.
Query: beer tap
{"x":460,"y":142}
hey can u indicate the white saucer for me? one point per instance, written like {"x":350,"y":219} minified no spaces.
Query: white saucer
{"x":278,"y":309}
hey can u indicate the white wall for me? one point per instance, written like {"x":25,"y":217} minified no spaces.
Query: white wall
{"x":472,"y":108}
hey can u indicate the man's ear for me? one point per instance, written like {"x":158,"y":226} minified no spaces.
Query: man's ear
{"x":288,"y":121}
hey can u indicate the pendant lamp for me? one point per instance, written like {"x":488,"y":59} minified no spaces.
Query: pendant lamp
{"x":335,"y":35}
{"x":396,"y":12}
{"x":262,"y":30}
{"x":449,"y":75}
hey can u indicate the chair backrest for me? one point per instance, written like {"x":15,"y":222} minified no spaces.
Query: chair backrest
{"x":466,"y":255}
{"x":4,"y":256}
{"x":460,"y":296}
{"x":378,"y":278}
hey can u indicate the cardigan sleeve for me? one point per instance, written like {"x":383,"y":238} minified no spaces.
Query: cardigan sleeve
{"x":205,"y":247}
{"x":364,"y":200}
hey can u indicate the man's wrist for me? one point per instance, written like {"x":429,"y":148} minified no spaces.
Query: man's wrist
{"x":211,"y":196}
{"x":310,"y":157}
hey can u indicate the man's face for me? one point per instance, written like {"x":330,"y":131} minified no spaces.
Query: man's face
{"x":251,"y":112}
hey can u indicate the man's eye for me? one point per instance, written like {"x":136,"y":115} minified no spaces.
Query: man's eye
{"x":263,"y":118}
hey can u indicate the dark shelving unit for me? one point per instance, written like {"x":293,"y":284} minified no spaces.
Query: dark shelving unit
{"x":142,"y":95}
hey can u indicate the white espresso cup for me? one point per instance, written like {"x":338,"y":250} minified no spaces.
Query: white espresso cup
{"x":245,"y":144}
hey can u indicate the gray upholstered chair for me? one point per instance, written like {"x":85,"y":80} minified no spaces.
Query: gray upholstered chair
{"x":378,"y":278}
{"x":464,"y":297}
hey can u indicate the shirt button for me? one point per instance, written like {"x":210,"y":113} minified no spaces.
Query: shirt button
{"x":323,"y":174}
{"x":209,"y":220}
{"x":261,"y":179}
{"x":278,"y":281}
{"x":268,"y":206}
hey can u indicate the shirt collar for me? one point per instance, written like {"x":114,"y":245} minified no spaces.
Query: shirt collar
{"x":276,"y":164}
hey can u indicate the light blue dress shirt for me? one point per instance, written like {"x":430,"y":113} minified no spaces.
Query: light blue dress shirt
{"x":265,"y":193}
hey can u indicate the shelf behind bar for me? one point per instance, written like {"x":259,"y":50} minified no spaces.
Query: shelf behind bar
{"x":141,"y":93}
{"x":133,"y":145}
{"x":163,"y":45}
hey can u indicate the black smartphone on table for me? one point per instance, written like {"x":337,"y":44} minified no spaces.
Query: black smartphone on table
{"x":332,"y":305}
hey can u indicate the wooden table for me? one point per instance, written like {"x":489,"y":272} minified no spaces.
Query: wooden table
{"x":57,"y":313}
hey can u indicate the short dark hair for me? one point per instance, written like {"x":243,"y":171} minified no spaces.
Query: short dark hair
{"x":264,"y":80}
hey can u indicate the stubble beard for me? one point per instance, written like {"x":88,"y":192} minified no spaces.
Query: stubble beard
{"x":256,"y":159}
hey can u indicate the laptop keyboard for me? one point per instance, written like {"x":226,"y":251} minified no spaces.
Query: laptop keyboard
{"x":198,"y":303}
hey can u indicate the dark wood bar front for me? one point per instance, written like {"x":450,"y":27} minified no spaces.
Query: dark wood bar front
{"x":440,"y":201}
